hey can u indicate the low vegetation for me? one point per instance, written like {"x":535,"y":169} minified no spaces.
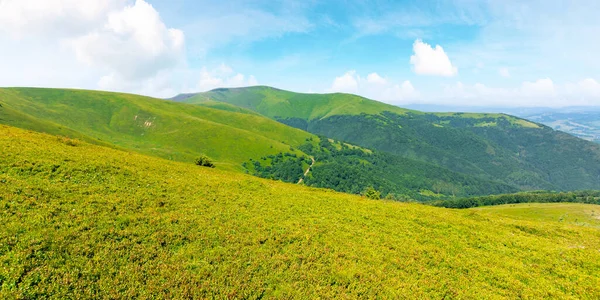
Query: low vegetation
{"x":204,"y":161}
{"x":85,"y":221}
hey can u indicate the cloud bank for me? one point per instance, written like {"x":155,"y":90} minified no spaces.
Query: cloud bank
{"x":542,"y":92}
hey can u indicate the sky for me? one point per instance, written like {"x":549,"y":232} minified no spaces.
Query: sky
{"x":501,"y":53}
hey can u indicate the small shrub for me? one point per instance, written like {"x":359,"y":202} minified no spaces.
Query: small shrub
{"x":204,"y":161}
{"x":68,"y":141}
{"x":372,"y":193}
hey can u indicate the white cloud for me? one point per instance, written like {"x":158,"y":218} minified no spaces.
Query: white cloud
{"x":431,"y":61}
{"x":347,"y":83}
{"x":504,"y":72}
{"x":223,"y":76}
{"x":133,"y":44}
{"x":375,"y":78}
{"x":19,"y":18}
{"x":119,"y":45}
{"x":397,"y":93}
{"x":374,"y":87}
{"x":540,"y":88}
{"x":161,"y":85}
{"x":589,"y":87}
{"x":584,"y":92}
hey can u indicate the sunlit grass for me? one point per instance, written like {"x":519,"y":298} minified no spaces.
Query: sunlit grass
{"x":83,"y":221}
{"x":568,"y":213}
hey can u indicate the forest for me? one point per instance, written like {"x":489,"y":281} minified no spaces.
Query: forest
{"x":347,"y":168}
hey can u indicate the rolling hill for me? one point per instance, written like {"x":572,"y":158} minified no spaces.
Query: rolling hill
{"x":169,"y":130}
{"x":85,"y":221}
{"x":232,"y":135}
{"x":490,"y":146}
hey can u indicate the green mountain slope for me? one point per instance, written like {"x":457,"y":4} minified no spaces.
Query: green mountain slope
{"x":170,"y":130}
{"x":84,"y":221}
{"x":352,"y":169}
{"x":230,"y":134}
{"x":490,"y":146}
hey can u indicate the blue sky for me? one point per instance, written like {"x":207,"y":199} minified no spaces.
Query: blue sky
{"x":460,"y":52}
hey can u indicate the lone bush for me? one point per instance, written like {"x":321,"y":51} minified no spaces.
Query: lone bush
{"x":204,"y":161}
{"x":68,"y":141}
{"x":372,"y":193}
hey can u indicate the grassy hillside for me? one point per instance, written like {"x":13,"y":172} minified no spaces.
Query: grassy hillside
{"x":230,"y":134}
{"x":84,"y":221}
{"x":566,"y":213}
{"x":491,"y":146}
{"x":170,"y":130}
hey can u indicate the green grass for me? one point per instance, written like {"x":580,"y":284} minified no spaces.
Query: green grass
{"x":166,"y":129}
{"x":568,"y":213}
{"x":84,"y":221}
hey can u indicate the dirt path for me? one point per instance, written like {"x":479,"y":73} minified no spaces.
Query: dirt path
{"x":307,"y":170}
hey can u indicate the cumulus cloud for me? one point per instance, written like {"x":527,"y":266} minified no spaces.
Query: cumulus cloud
{"x":62,"y":17}
{"x":540,"y":88}
{"x":587,"y":87}
{"x":223,"y":76}
{"x":162,"y":85}
{"x":431,"y":61}
{"x":347,"y":83}
{"x":375,"y":87}
{"x":120,"y":45}
{"x":133,"y":44}
{"x":504,"y":72}
{"x":397,"y":93}
{"x":375,"y":78}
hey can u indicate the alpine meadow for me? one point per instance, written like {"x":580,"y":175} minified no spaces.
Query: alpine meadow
{"x":254,"y":149}
{"x":86,"y":221}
